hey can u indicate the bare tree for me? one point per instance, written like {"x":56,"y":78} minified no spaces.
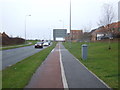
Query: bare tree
{"x":108,"y":16}
{"x":86,"y":34}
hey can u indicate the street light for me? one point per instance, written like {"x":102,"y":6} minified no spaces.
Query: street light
{"x":70,"y":15}
{"x":70,"y":24}
{"x":25,"y":27}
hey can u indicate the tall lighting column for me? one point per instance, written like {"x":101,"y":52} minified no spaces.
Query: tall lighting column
{"x":70,"y":24}
{"x":25,"y":27}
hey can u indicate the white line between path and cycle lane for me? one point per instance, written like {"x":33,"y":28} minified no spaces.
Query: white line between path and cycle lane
{"x":65,"y":85}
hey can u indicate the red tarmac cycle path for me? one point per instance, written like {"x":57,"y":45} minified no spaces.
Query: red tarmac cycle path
{"x":48,"y":75}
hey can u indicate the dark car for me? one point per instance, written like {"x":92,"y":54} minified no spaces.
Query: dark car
{"x":39,"y":45}
{"x":104,"y":37}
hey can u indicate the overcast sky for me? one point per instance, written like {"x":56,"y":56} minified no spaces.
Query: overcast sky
{"x":49,"y":14}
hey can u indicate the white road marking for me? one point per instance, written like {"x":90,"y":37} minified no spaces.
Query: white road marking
{"x":65,"y":85}
{"x":52,"y":50}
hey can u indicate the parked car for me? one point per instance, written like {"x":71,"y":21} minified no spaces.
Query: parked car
{"x":46,"y":44}
{"x":105,"y":37}
{"x":39,"y":45}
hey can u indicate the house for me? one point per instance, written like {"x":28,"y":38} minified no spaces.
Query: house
{"x":98,"y":33}
{"x":114,"y":29}
{"x":0,"y":39}
{"x":67,"y":38}
{"x":6,"y":40}
{"x":0,"y":35}
{"x":106,"y":32}
{"x":75,"y":35}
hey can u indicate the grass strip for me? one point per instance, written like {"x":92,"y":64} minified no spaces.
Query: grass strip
{"x":101,"y":61}
{"x":18,"y":46}
{"x":18,"y":75}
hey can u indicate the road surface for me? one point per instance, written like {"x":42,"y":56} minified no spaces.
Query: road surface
{"x":12,"y":56}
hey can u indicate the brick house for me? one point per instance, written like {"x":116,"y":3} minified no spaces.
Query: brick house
{"x":76,"y":35}
{"x":67,"y":38}
{"x":114,"y":29}
{"x":6,"y":40}
{"x":105,"y":32}
{"x":0,"y":39}
{"x":98,"y":33}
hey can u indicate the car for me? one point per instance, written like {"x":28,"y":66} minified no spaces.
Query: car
{"x":104,"y":37}
{"x":49,"y":42}
{"x":39,"y":45}
{"x":46,"y":44}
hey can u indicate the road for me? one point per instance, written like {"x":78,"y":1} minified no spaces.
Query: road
{"x":12,"y":56}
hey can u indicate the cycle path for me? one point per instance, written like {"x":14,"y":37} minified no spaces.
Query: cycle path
{"x":62,"y":70}
{"x":48,"y":75}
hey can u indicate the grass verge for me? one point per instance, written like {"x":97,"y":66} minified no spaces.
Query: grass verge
{"x":101,"y":61}
{"x":18,"y":46}
{"x":18,"y":75}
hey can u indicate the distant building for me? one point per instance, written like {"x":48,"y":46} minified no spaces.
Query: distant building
{"x":99,"y":33}
{"x":0,"y":39}
{"x":0,"y":35}
{"x":59,"y":34}
{"x":67,"y":38}
{"x":106,"y":33}
{"x":5,"y":35}
{"x":76,"y":35}
{"x":6,"y":40}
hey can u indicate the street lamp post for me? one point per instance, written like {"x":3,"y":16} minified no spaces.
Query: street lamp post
{"x":25,"y":27}
{"x":70,"y":24}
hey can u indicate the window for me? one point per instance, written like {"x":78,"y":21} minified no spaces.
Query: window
{"x":113,"y":29}
{"x":119,"y":29}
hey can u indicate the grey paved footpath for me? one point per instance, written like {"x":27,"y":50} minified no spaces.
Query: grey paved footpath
{"x":77,"y":75}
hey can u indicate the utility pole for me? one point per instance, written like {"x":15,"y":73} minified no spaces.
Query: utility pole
{"x":25,"y":28}
{"x":70,"y":25}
